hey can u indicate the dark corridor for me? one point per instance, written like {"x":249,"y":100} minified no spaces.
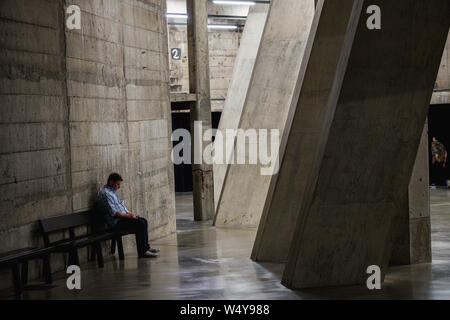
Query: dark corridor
{"x":439,"y":127}
{"x":183,"y":172}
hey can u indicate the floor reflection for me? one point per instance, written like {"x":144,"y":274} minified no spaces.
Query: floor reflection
{"x":202,"y":262}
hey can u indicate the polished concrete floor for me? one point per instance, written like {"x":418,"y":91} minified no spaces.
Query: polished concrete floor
{"x":201,"y":262}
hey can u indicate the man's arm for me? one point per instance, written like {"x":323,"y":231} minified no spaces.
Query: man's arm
{"x":125,"y":215}
{"x":114,"y":208}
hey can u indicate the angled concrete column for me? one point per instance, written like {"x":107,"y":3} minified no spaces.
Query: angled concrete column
{"x":412,"y":234}
{"x":299,"y":144}
{"x":202,"y":174}
{"x":240,"y":81}
{"x":441,"y":93}
{"x":269,"y":97}
{"x":368,"y":146}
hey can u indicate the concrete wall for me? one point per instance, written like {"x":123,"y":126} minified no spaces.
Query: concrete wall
{"x":240,"y":81}
{"x":179,"y":6}
{"x":412,"y":235}
{"x":79,"y":104}
{"x":223,"y":47}
{"x":179,"y":69}
{"x":442,"y":87}
{"x":34,"y":144}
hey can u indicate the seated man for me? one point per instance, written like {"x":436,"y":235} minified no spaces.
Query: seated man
{"x":122,"y":220}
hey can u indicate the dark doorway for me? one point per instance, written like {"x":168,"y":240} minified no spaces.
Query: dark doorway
{"x":183,"y":172}
{"x":215,"y":119}
{"x":439,"y":127}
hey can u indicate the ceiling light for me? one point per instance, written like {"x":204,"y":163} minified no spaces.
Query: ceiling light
{"x":222,"y":26}
{"x":177,"y":15}
{"x":231,"y":2}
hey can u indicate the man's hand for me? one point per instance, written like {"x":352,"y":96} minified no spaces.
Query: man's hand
{"x":127,"y":215}
{"x":131,"y":215}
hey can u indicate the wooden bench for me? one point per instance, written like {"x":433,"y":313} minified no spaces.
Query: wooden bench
{"x":69,"y":242}
{"x":93,"y":236}
{"x":17,"y":261}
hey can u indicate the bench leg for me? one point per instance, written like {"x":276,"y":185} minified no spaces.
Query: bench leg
{"x":16,"y":279}
{"x":113,"y":245}
{"x":47,"y":270}
{"x":73,"y":257}
{"x":93,"y":254}
{"x":70,"y":260}
{"x":120,"y":248}
{"x":24,"y":270}
{"x":98,"y":249}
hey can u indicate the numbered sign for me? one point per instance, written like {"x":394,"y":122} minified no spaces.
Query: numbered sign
{"x":176,"y":53}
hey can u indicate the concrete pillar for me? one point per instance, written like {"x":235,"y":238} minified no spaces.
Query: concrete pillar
{"x":368,"y":145}
{"x":302,"y":133}
{"x":270,"y":95}
{"x":240,"y":81}
{"x":442,"y":89}
{"x":202,"y":174}
{"x":412,"y":234}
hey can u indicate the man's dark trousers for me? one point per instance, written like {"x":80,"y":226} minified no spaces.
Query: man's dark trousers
{"x":139,"y":227}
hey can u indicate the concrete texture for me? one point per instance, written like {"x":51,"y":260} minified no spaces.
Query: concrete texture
{"x":269,"y":98}
{"x":240,"y":81}
{"x":441,"y":93}
{"x":223,"y":48}
{"x":412,"y":235}
{"x":179,"y":69}
{"x":79,"y":104}
{"x":368,"y":146}
{"x":303,"y":128}
{"x":201,"y":262}
{"x":202,"y":173}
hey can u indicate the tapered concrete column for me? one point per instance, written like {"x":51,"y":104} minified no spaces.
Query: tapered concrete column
{"x":412,"y":234}
{"x":237,"y":91}
{"x":368,"y":145}
{"x":303,"y":128}
{"x":270,"y":95}
{"x":203,"y":183}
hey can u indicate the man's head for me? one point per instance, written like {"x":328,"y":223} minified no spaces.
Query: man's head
{"x":114,"y":181}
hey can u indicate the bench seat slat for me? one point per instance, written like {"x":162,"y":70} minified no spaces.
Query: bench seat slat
{"x":8,"y":253}
{"x":24,"y":255}
{"x":92,"y":239}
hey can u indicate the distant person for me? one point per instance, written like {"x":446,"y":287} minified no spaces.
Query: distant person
{"x":121,"y":219}
{"x":438,"y":162}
